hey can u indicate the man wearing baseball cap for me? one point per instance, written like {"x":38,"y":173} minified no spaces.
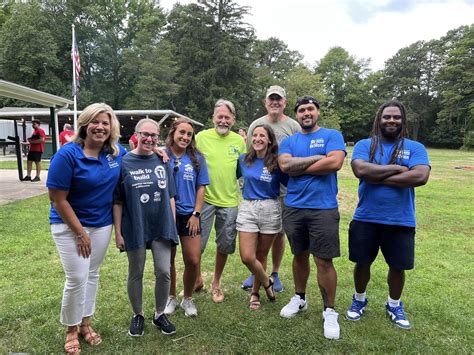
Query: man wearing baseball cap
{"x":311,"y":216}
{"x":283,"y":126}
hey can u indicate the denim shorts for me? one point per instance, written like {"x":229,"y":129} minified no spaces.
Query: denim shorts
{"x":263,"y":216}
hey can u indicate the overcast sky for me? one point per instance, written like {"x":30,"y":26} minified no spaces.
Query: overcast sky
{"x":374,"y":29}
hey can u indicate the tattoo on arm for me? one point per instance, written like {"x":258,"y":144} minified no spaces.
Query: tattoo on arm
{"x":299,"y":165}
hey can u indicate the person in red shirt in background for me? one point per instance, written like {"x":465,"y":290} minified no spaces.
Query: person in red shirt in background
{"x":36,"y":143}
{"x":133,"y":142}
{"x":66,"y":134}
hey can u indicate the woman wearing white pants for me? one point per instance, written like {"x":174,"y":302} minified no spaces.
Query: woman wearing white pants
{"x":81,"y":181}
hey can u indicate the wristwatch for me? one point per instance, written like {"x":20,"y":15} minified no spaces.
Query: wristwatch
{"x":196,"y":213}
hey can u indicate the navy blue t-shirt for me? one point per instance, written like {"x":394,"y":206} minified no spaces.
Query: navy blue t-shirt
{"x":385,"y":204}
{"x":144,"y":188}
{"x":90,"y":182}
{"x":312,"y":191}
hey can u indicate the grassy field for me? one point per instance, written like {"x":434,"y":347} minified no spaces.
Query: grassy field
{"x":438,"y":293}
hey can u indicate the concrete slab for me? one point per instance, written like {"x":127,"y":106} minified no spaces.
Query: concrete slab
{"x":11,"y":189}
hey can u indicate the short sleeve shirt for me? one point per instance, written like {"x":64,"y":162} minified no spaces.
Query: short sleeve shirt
{"x":312,"y":191}
{"x":385,"y":204}
{"x":90,"y":182}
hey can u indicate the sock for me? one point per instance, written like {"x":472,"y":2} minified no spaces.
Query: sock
{"x":393,"y":303}
{"x":326,"y":309}
{"x":157,"y":315}
{"x":302,"y":295}
{"x":360,"y":296}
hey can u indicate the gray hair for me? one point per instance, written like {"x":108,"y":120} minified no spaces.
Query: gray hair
{"x":67,"y":126}
{"x":222,"y":102}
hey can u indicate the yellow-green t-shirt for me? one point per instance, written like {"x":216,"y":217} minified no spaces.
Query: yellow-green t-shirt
{"x":222,"y":154}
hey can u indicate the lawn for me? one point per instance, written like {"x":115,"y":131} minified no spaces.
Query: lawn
{"x":438,"y":293}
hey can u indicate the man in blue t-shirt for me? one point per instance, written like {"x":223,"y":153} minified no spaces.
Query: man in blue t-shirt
{"x":311,"y":216}
{"x":389,"y":167}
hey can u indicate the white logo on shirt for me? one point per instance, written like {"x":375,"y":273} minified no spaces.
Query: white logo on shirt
{"x":161,"y":175}
{"x":405,"y":155}
{"x":266,"y":176}
{"x":317,"y":143}
{"x":111,"y":161}
{"x":188,"y":172}
{"x":144,"y":198}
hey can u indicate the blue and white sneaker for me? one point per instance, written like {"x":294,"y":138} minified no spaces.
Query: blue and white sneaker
{"x":277,"y":286}
{"x":248,"y":283}
{"x":357,"y":309}
{"x":397,"y":315}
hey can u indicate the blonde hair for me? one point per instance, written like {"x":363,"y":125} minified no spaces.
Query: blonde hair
{"x":90,"y":113}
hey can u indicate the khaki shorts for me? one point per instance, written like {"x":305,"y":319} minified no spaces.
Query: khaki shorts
{"x":263,"y":216}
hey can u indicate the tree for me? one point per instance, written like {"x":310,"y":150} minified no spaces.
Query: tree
{"x":28,"y":51}
{"x":342,"y":78}
{"x":455,"y":84}
{"x":212,"y":50}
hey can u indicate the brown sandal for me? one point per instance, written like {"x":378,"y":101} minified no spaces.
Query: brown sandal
{"x":72,"y":345}
{"x":90,"y":336}
{"x":254,"y":303}
{"x":269,"y":290}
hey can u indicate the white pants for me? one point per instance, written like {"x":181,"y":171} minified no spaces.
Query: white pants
{"x":82,"y":274}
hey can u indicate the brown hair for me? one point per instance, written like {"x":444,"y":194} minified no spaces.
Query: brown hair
{"x":191,"y":149}
{"x":270,"y":161}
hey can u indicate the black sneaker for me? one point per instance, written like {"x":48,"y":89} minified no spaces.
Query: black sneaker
{"x":164,"y":324}
{"x":36,"y":179}
{"x":137,"y":325}
{"x":26,"y":178}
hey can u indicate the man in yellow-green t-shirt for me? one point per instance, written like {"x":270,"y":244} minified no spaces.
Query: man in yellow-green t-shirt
{"x":222,"y":149}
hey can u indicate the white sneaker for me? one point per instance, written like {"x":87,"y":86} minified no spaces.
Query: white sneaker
{"x":170,"y":305}
{"x":331,"y":326}
{"x":189,"y":307}
{"x":295,"y":306}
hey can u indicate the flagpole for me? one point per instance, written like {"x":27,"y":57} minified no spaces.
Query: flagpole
{"x":74,"y":81}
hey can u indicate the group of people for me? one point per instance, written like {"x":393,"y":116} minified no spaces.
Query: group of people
{"x":156,"y":199}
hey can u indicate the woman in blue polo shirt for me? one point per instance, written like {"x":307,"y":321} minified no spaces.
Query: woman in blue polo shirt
{"x":81,"y":180}
{"x":191,"y":177}
{"x":259,"y":217}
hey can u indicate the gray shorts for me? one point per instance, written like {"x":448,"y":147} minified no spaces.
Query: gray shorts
{"x":262,"y":216}
{"x":316,"y":231}
{"x":224,"y":225}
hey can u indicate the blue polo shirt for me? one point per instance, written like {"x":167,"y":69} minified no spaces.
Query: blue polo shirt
{"x":312,"y":191}
{"x":259,"y":183}
{"x":385,"y":204}
{"x":187,"y":180}
{"x":90,"y":182}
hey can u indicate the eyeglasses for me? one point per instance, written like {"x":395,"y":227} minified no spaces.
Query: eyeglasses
{"x":153,"y":136}
{"x":177,"y":164}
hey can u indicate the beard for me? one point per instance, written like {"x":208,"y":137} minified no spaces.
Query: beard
{"x":309,"y":126}
{"x":391,"y":134}
{"x":222,"y":130}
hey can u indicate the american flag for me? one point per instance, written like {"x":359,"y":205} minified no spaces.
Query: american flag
{"x":76,"y":60}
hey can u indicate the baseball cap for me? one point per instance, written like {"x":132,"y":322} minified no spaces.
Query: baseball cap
{"x":303,"y":100}
{"x":275,"y":89}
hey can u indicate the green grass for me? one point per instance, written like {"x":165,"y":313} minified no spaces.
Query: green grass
{"x":12,"y":164}
{"x":438,"y":293}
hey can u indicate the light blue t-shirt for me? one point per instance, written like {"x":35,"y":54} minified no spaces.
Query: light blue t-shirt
{"x":259,"y":183}
{"x":312,"y":191}
{"x":187,"y":180}
{"x":388,"y":204}
{"x":90,"y":182}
